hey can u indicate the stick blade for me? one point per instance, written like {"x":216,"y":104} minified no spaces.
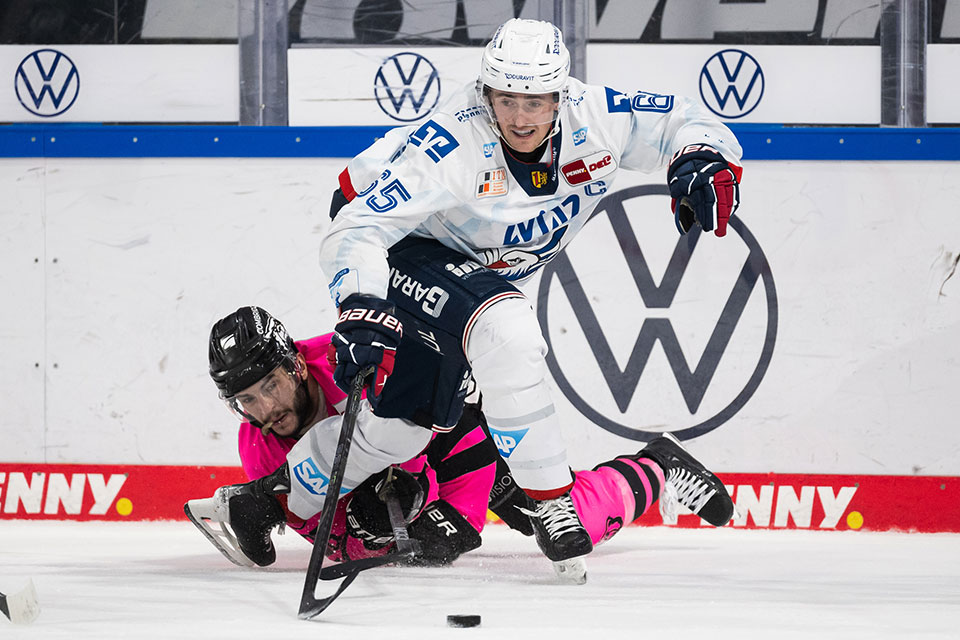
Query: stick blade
{"x":23,"y":607}
{"x":311,"y":606}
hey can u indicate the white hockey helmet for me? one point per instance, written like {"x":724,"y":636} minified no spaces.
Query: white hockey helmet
{"x":524,"y":56}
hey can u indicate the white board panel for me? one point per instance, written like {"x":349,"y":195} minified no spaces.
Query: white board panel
{"x":862,"y":376}
{"x":119,"y":83}
{"x":23,"y":263}
{"x":943,"y":98}
{"x":375,"y":85}
{"x":768,"y":83}
{"x":784,"y":84}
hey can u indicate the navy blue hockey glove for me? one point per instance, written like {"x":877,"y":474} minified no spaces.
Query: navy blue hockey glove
{"x":367,"y":333}
{"x":705,"y":189}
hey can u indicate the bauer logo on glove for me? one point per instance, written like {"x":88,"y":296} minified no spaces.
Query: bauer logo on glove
{"x":704,"y":189}
{"x":367,"y":333}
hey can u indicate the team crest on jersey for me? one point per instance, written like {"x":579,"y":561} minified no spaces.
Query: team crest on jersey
{"x":589,"y":169}
{"x":538,"y":178}
{"x":492,"y":183}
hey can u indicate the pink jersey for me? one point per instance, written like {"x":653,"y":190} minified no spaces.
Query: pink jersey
{"x":262,"y":454}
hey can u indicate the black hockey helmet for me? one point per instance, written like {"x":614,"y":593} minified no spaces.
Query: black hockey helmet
{"x":245,"y":346}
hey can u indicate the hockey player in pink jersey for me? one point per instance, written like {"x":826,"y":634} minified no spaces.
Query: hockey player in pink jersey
{"x":281,"y":388}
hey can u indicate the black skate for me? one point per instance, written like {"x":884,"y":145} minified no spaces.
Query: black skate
{"x":562,"y":537}
{"x":688,"y":482}
{"x":238,"y":518}
{"x":255,"y":511}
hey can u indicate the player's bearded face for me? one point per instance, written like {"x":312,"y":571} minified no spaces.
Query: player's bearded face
{"x":280,"y":399}
{"x":524,"y":119}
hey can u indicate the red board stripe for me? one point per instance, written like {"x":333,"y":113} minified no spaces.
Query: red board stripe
{"x":764,"y":501}
{"x":106,"y":492}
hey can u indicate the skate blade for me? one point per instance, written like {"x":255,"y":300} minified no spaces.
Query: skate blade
{"x":571,"y":570}
{"x":202,"y":513}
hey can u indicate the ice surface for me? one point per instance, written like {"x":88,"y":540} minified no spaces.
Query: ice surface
{"x":164,"y":580}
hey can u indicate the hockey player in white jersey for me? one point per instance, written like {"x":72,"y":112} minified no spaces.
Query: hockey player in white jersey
{"x":503,"y":177}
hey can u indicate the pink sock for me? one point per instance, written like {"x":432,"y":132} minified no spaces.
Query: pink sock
{"x":615,"y":494}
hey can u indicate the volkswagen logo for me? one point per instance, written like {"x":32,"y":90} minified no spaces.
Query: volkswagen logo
{"x":47,"y":83}
{"x":731,"y":83}
{"x":638,"y":353}
{"x":407,"y":87}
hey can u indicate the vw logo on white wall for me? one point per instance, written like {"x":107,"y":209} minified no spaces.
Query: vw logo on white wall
{"x":407,"y":87}
{"x":47,"y":83}
{"x":670,"y":338}
{"x":731,"y":83}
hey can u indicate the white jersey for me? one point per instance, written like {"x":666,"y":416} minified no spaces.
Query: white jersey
{"x":451,"y":179}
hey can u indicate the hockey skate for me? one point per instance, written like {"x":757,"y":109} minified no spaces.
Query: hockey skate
{"x":688,"y":482}
{"x":562,"y":537}
{"x":246,"y":515}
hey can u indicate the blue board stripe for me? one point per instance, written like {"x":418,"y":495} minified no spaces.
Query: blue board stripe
{"x":760,"y":142}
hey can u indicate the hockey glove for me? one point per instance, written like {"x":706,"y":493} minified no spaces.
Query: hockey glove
{"x":367,"y":518}
{"x":705,"y":189}
{"x":444,"y":534}
{"x":367,"y":333}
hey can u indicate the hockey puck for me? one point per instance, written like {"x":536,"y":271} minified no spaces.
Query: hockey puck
{"x":463,"y":621}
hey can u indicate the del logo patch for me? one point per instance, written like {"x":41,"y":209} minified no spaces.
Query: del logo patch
{"x":492,"y":183}
{"x":507,"y":441}
{"x":589,"y":169}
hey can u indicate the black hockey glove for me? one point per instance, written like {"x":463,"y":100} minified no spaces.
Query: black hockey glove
{"x":367,"y":518}
{"x":444,"y":534}
{"x":705,"y":189}
{"x":367,"y":333}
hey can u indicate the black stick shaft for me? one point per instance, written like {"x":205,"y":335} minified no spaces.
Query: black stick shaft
{"x":309,"y":605}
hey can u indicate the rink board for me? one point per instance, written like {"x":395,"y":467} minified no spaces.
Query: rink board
{"x":817,"y":339}
{"x":763,"y":501}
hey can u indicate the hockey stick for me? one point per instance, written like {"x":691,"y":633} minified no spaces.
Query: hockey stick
{"x":310,"y":605}
{"x":406,"y":546}
{"x":22,"y":607}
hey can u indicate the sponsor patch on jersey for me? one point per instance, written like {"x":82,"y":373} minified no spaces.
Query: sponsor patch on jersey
{"x":310,"y":477}
{"x":466,"y":114}
{"x":488,"y":149}
{"x":507,"y":441}
{"x":538,"y":178}
{"x":589,"y":169}
{"x":579,"y":136}
{"x":492,"y":183}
